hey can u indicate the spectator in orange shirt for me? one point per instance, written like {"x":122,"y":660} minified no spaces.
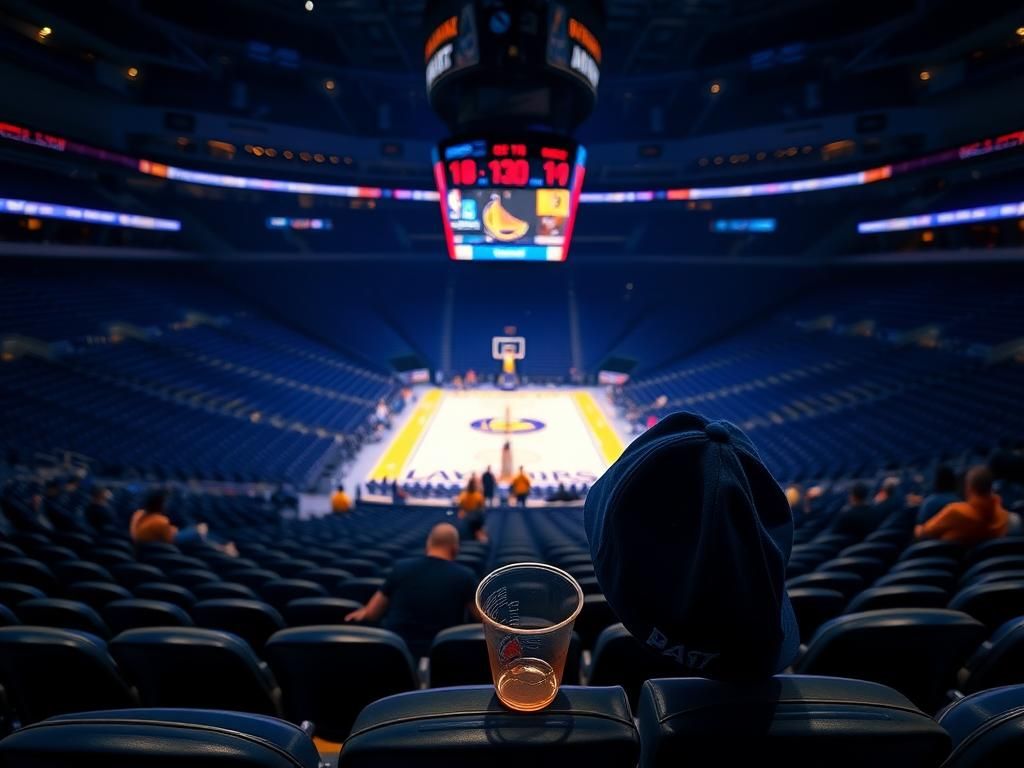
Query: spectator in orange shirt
{"x":471,"y":500}
{"x":340,"y":502}
{"x":520,"y":487}
{"x":151,"y":523}
{"x":981,"y":517}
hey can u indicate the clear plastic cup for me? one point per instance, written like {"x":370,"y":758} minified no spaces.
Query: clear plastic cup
{"x":528,"y":610}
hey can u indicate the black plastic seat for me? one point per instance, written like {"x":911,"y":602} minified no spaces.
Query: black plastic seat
{"x":204,"y":668}
{"x":917,"y":651}
{"x":987,"y":729}
{"x":934,"y":548}
{"x":282,"y":591}
{"x":619,"y":658}
{"x":108,"y":556}
{"x":168,"y":592}
{"x":590,"y":586}
{"x":71,"y":571}
{"x":595,"y":616}
{"x":290,"y":569}
{"x":171,"y":561}
{"x":328,"y":578}
{"x":63,"y":614}
{"x":251,"y":577}
{"x":868,"y":568}
{"x":814,"y":606}
{"x":130,"y":575}
{"x":314,"y":611}
{"x":990,"y":576}
{"x":328,"y":674}
{"x":789,"y":720}
{"x":358,"y":589}
{"x":251,"y":620}
{"x":918,"y":563}
{"x":190,"y":577}
{"x":929,"y":577}
{"x":97,"y":593}
{"x":993,"y":603}
{"x":25,"y":570}
{"x":48,"y":671}
{"x":841,"y":581}
{"x":52,"y":554}
{"x":908,"y":596}
{"x":1004,"y":547}
{"x":156,"y":738}
{"x":880,"y":550}
{"x":122,"y":615}
{"x":468,"y":726}
{"x":12,"y":593}
{"x":216,"y":590}
{"x":8,"y":618}
{"x":1005,"y":563}
{"x":999,"y":661}
{"x":358,"y":567}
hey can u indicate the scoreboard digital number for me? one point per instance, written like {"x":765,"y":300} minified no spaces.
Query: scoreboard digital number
{"x":509,"y":199}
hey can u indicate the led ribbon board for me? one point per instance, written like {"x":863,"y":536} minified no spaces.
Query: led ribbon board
{"x":86,"y":215}
{"x":509,"y":198}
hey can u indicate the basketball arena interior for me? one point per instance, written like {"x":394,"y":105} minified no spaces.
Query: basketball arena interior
{"x":496,"y":382}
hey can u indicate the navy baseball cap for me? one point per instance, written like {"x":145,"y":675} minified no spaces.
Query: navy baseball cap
{"x":690,"y":535}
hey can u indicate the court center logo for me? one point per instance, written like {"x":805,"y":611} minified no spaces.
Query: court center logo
{"x":498,"y":426}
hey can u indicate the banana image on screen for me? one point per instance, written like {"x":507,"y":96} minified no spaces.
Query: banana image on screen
{"x":502,"y":225}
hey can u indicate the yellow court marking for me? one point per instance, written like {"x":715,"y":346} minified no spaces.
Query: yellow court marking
{"x":394,"y":459}
{"x":608,"y":440}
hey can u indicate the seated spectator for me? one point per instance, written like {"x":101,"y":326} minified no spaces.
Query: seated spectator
{"x":27,"y":516}
{"x":520,"y":488}
{"x":98,"y":513}
{"x":151,"y":523}
{"x":717,"y":610}
{"x":340,"y":502}
{"x":980,"y":517}
{"x":943,"y":494}
{"x":425,"y":594}
{"x":488,"y":484}
{"x":859,"y":517}
{"x":57,"y":507}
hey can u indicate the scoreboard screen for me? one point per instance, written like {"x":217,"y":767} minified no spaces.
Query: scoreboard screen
{"x":509,"y":198}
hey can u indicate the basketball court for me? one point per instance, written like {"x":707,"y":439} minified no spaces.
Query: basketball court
{"x":557,"y":435}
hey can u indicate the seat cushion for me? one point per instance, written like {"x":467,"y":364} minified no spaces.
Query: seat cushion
{"x":788,"y":720}
{"x":467,"y":727}
{"x":987,"y":729}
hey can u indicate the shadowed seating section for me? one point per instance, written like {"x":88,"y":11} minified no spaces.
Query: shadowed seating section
{"x":464,"y":727}
{"x":998,"y":662}
{"x":139,"y":738}
{"x":788,"y":720}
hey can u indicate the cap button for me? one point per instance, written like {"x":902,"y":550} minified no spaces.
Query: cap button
{"x":717,"y":432}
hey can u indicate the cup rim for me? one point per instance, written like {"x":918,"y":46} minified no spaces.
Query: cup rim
{"x":519,"y":630}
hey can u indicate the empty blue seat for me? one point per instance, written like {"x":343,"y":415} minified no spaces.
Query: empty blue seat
{"x":358,"y":589}
{"x":12,"y":593}
{"x":122,"y":615}
{"x":993,"y":603}
{"x":328,"y":674}
{"x":175,"y":667}
{"x":170,"y":593}
{"x":900,"y":596}
{"x":313,"y":611}
{"x":987,"y":729}
{"x":999,"y":661}
{"x":64,"y":614}
{"x":214,"y":590}
{"x":25,"y":570}
{"x":48,"y":671}
{"x":813,"y":606}
{"x":789,"y":720}
{"x":97,"y":593}
{"x":154,"y":738}
{"x":251,"y":620}
{"x":917,"y":651}
{"x":282,"y":591}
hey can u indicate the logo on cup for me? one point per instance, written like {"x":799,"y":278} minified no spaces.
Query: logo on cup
{"x":509,"y":649}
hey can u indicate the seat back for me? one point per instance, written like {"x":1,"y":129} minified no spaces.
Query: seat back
{"x":25,"y":570}
{"x":787,"y":720}
{"x":168,"y":592}
{"x":595,"y":617}
{"x":987,"y":729}
{"x":140,"y":738}
{"x":186,"y":666}
{"x":313,"y":611}
{"x":215,"y":590}
{"x":328,"y":674}
{"x":97,"y":593}
{"x":64,"y":614}
{"x":12,"y":593}
{"x":907,"y":596}
{"x":359,"y":589}
{"x":619,"y":659}
{"x":992,"y":603}
{"x":917,"y":651}
{"x":813,"y":606}
{"x":468,"y":727}
{"x":122,"y":615}
{"x":48,"y":671}
{"x":251,"y":620}
{"x":281,"y":591}
{"x":999,"y":661}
